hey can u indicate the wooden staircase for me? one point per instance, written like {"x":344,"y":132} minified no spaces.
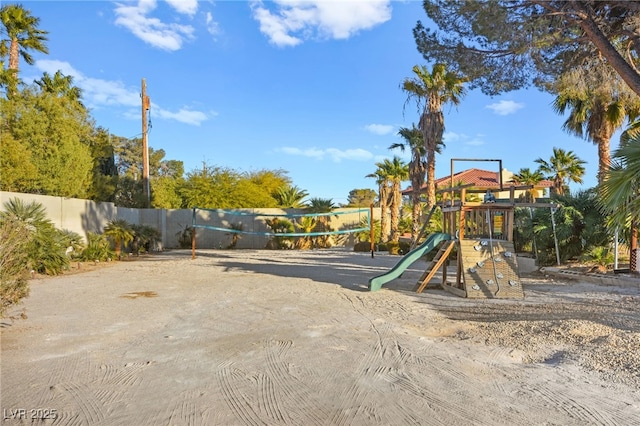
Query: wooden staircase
{"x":433,"y":266}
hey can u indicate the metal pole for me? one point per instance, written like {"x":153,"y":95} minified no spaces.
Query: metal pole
{"x":615,"y":249}
{"x":555,"y":237}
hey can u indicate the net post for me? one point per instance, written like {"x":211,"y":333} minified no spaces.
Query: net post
{"x":372,"y":232}
{"x":193,"y":234}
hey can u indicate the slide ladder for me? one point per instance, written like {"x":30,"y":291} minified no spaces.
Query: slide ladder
{"x":432,"y":268}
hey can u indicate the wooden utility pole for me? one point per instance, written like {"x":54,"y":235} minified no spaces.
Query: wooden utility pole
{"x":145,"y":146}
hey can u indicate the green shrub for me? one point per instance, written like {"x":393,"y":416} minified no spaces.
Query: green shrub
{"x":14,"y":273}
{"x":184,"y":237}
{"x":98,"y":248}
{"x":46,"y":246}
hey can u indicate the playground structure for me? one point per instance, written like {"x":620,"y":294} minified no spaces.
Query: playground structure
{"x":480,"y":235}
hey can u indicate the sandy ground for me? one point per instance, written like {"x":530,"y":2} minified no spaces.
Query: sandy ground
{"x":295,"y":338}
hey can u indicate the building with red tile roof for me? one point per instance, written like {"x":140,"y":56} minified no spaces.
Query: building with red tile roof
{"x":483,"y":180}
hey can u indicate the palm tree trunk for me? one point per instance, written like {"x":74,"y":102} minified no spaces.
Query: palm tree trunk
{"x":395,"y":209}
{"x":384,"y":223}
{"x":14,"y":57}
{"x":633,"y":258}
{"x":432,"y":125}
{"x":604,"y":156}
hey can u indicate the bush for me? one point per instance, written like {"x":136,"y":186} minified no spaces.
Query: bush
{"x":184,"y":237}
{"x":14,"y":273}
{"x":362,"y":246}
{"x":145,"y":238}
{"x":98,"y":248}
{"x":46,"y":246}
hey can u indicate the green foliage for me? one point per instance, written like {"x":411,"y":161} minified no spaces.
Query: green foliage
{"x":98,"y":248}
{"x":366,"y":235}
{"x":14,"y":261}
{"x":504,"y":45}
{"x":235,"y":236}
{"x":145,"y":238}
{"x":120,"y":232}
{"x":601,"y":257}
{"x":620,"y":191}
{"x":579,"y":228}
{"x":290,"y":197}
{"x":46,"y":246}
{"x":361,"y":198}
{"x":184,"y":236}
{"x":280,"y":226}
{"x":223,"y":188}
{"x":51,"y":134}
{"x":305,"y":224}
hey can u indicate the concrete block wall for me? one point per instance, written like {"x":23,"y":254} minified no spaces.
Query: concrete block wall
{"x":83,"y":216}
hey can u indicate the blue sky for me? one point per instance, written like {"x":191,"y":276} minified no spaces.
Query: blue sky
{"x":310,"y":87}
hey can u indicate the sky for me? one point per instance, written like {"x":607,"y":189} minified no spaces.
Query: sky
{"x":311,"y":87}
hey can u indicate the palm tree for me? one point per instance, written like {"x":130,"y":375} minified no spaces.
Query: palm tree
{"x":121,"y":232}
{"x":60,"y":86}
{"x":23,"y":35}
{"x":382,"y":179}
{"x":431,"y":91}
{"x":290,"y":197}
{"x":417,"y":168}
{"x":396,"y":171}
{"x":598,"y":102}
{"x":526,"y":177}
{"x":563,"y":166}
{"x":322,"y":205}
{"x":620,"y":193}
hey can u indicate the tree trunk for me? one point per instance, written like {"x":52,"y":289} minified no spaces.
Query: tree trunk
{"x":633,"y":258}
{"x":604,"y":46}
{"x":604,"y":157}
{"x":432,"y":126}
{"x":384,"y":223}
{"x":395,"y":210}
{"x":14,"y":58}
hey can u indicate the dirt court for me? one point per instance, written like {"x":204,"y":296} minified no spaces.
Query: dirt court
{"x":295,"y":338}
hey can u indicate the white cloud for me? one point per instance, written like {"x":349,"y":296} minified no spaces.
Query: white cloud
{"x":212,"y":26}
{"x":151,"y":30}
{"x":505,"y":107}
{"x":98,"y":93}
{"x":187,"y":7}
{"x":184,"y":115}
{"x":379,"y":129}
{"x":290,"y":22}
{"x":336,"y":155}
{"x":463,"y":139}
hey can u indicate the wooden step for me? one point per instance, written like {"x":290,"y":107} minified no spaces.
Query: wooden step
{"x":433,"y":266}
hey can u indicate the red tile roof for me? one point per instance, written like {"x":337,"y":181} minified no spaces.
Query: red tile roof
{"x":480,"y":179}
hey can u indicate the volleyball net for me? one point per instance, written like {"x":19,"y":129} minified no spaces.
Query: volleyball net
{"x":300,"y":229}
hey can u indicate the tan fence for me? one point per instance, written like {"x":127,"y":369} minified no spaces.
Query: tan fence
{"x":83,"y":216}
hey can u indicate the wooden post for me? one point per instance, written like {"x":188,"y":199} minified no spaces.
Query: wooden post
{"x":145,"y":146}
{"x":193,"y":243}
{"x":372,"y":231}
